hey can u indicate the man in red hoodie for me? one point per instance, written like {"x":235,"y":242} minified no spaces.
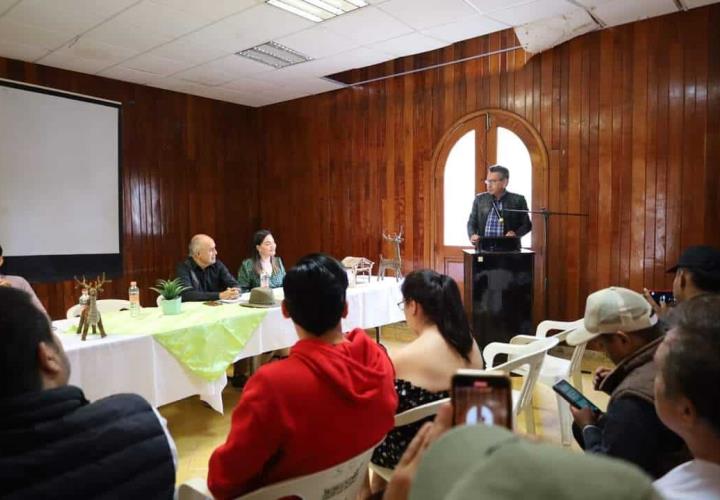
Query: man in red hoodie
{"x":330,"y":400}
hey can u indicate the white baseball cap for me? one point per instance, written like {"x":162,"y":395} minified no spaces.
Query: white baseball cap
{"x":610,"y":310}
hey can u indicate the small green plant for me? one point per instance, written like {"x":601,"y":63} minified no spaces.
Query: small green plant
{"x":170,"y":289}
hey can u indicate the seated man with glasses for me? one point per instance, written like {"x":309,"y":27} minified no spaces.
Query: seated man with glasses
{"x":491,"y":215}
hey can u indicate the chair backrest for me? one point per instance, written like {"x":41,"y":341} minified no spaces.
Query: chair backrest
{"x":339,"y":482}
{"x":565,"y":328}
{"x":531,"y":355}
{"x":419,"y":412}
{"x":103,"y":305}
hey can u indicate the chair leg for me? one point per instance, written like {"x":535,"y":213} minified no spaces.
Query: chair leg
{"x":565,"y":421}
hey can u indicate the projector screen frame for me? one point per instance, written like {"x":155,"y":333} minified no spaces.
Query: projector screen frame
{"x":53,"y":268}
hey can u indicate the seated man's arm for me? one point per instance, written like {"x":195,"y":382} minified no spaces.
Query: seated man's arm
{"x":183,"y":272}
{"x":628,"y":432}
{"x":226,"y":278}
{"x":256,"y":435}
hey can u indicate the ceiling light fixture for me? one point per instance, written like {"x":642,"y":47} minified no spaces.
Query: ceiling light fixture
{"x":318,"y":10}
{"x":273,"y":54}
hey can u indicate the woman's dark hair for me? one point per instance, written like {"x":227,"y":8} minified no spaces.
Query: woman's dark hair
{"x":439,"y":297}
{"x":257,"y":239}
{"x":315,"y":290}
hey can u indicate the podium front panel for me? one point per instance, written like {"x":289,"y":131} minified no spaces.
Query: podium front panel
{"x":499,"y":294}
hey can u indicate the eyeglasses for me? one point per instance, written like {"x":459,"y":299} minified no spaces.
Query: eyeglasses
{"x":401,"y":305}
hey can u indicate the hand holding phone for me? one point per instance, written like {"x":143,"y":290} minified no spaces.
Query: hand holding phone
{"x":481,"y":397}
{"x":574,"y":397}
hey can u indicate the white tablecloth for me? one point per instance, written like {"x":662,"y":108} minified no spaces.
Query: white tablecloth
{"x":139,"y":364}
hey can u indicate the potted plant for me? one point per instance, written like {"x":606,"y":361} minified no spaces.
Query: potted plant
{"x":170,"y":291}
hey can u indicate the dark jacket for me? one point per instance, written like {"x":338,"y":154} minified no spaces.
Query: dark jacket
{"x":206,"y":283}
{"x":631,"y":429}
{"x":513,"y":221}
{"x":54,"y":444}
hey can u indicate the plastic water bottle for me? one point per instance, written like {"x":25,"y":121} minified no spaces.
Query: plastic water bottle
{"x":265,"y":280}
{"x":134,"y":297}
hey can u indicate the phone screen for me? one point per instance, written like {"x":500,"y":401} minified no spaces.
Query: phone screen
{"x":573,"y":396}
{"x":663,"y":297}
{"x":482,"y":400}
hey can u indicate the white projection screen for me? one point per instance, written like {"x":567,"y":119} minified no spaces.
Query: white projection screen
{"x":59,"y":183}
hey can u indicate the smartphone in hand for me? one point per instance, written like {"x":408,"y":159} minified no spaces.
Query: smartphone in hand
{"x":663,"y":297}
{"x":481,"y":397}
{"x":574,"y":397}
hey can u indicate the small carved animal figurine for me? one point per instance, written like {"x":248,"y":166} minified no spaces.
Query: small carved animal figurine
{"x":396,"y":263}
{"x":90,"y":316}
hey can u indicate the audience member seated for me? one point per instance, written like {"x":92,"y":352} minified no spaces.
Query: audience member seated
{"x":697,"y":272}
{"x":687,"y":396}
{"x":424,"y":368}
{"x":207,"y":276}
{"x":263,"y":260}
{"x":330,"y":400}
{"x":481,"y":461}
{"x":20,"y":283}
{"x":53,"y":442}
{"x":629,"y":333}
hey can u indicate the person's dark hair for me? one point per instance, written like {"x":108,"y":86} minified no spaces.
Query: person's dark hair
{"x":439,"y":297}
{"x":22,"y":327}
{"x":257,"y":239}
{"x":1,"y":254}
{"x":499,"y":169}
{"x":692,"y":364}
{"x":315,"y":290}
{"x":651,"y":333}
{"x":707,"y":282}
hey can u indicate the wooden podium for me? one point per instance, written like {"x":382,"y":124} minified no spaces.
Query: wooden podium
{"x":499,"y":294}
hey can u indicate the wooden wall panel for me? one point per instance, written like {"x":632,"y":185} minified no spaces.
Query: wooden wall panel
{"x":189,"y":165}
{"x":629,"y":117}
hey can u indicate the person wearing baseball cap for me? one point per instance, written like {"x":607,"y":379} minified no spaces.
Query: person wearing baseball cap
{"x":697,"y":272}
{"x":627,"y":328}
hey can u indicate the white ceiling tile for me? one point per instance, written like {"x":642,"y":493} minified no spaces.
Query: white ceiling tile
{"x":250,"y":85}
{"x":486,"y":6}
{"x":285,"y":93}
{"x":11,"y":31}
{"x":262,"y":23}
{"x":541,"y":35}
{"x":21,"y":51}
{"x":104,"y":53}
{"x":258,"y":100}
{"x":123,"y":34}
{"x":367,"y":25}
{"x":6,"y":4}
{"x":315,"y":85}
{"x":70,"y":17}
{"x":237,"y":66}
{"x":180,"y":85}
{"x":149,"y":63}
{"x":465,"y":29}
{"x":64,"y":61}
{"x":406,"y":45}
{"x":691,"y":4}
{"x":281,"y":77}
{"x":204,"y":75}
{"x":130,"y":75}
{"x":534,"y":11}
{"x":211,"y":10}
{"x":421,"y":14}
{"x":220,"y":36}
{"x":354,"y":58}
{"x":318,"y":42}
{"x":183,"y":50}
{"x":162,"y":20}
{"x":620,"y":12}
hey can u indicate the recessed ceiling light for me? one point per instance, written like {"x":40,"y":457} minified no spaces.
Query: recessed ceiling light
{"x":318,"y":10}
{"x":273,"y":54}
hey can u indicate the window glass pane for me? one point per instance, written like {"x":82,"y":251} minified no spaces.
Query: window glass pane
{"x":459,"y":184}
{"x":513,"y":154}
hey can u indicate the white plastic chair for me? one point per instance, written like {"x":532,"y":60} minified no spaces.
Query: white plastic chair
{"x":531,"y":355}
{"x":103,"y":305}
{"x":339,"y":482}
{"x":405,"y":418}
{"x":555,"y":369}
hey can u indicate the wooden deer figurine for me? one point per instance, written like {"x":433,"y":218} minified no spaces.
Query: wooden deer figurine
{"x":396,"y":263}
{"x":90,"y":316}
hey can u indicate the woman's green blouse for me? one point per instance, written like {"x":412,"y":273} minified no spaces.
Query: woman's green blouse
{"x":249,"y":278}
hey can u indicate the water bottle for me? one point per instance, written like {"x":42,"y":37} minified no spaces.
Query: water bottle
{"x":134,"y":297}
{"x":265,"y":280}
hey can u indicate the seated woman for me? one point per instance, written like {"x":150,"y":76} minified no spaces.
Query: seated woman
{"x":424,"y":368}
{"x":262,"y":261}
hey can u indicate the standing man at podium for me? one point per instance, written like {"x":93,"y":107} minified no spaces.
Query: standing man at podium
{"x":489,"y":216}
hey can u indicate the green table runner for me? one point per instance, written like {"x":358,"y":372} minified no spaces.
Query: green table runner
{"x":204,"y":338}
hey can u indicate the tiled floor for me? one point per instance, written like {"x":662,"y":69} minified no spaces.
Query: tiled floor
{"x":198,"y":430}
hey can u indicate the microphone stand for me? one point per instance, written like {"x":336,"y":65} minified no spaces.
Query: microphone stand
{"x":546,"y":222}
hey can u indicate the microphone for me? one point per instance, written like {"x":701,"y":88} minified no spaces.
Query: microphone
{"x":500,"y":217}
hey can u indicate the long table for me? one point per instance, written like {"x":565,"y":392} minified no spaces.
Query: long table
{"x":138,"y":363}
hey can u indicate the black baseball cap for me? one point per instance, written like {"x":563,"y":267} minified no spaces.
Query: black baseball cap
{"x":701,"y":258}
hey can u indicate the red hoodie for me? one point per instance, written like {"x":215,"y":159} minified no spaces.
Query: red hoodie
{"x":319,"y":407}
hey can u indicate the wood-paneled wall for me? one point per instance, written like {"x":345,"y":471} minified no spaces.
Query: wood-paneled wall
{"x":189,"y":165}
{"x":630,"y":117}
